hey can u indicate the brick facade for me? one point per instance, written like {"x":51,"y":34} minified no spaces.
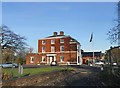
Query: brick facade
{"x":88,"y":56}
{"x":52,"y":46}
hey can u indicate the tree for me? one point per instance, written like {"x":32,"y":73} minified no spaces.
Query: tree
{"x":30,"y":50}
{"x":7,"y":55}
{"x":12,"y":41}
{"x":114,"y":33}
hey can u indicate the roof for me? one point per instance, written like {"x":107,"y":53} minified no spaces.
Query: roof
{"x":55,"y":36}
{"x":90,"y":54}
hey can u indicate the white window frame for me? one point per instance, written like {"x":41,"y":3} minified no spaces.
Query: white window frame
{"x":43,"y":51}
{"x":61,"y":48}
{"x":52,"y":42}
{"x":43,"y":42}
{"x":43,"y":58}
{"x":51,"y":48}
{"x":61,"y":41}
{"x":61,"y":58}
{"x":31,"y":59}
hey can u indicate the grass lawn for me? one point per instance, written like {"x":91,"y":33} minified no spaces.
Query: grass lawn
{"x":32,"y":71}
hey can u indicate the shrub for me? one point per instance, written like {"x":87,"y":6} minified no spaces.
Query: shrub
{"x":6,"y":76}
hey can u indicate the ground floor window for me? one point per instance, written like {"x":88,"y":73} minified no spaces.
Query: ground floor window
{"x":62,"y":58}
{"x":31,"y":59}
{"x":43,"y":58}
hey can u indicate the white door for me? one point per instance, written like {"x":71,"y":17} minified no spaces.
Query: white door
{"x":50,"y":60}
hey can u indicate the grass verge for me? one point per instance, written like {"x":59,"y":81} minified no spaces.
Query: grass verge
{"x":33,"y":71}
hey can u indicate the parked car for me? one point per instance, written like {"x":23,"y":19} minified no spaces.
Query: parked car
{"x":99,"y":63}
{"x":9,"y":65}
{"x":54,"y":63}
{"x":114,"y":64}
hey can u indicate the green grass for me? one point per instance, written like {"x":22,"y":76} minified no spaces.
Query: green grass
{"x":33,"y":71}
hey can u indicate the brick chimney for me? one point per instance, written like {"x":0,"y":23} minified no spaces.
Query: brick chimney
{"x":61,"y":33}
{"x":55,"y":33}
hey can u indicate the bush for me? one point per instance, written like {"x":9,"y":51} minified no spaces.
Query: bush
{"x":6,"y":76}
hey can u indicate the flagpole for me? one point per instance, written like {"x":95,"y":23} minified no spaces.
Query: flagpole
{"x":93,"y":51}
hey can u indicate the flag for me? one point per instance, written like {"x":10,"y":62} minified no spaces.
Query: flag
{"x":91,"y":37}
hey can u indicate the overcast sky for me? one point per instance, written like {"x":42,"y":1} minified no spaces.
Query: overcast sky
{"x":36,"y":20}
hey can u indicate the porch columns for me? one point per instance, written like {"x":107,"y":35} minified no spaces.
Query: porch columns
{"x":54,"y":58}
{"x":47,"y":60}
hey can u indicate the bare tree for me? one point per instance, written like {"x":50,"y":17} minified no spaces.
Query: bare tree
{"x":114,"y":33}
{"x":30,"y":50}
{"x":12,"y":41}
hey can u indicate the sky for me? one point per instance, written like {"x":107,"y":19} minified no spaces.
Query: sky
{"x":36,"y":20}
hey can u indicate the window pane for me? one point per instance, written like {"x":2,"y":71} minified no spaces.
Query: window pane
{"x":52,"y":49}
{"x":43,"y":49}
{"x":52,"y":41}
{"x":62,"y":58}
{"x":62,"y":48}
{"x":31,"y":60}
{"x":43,"y":58}
{"x":43,"y":42}
{"x":61,"y":40}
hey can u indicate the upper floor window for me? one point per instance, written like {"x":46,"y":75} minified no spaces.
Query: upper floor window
{"x":61,"y":40}
{"x":62,"y":48}
{"x":52,"y":48}
{"x":43,"y":41}
{"x":43,"y":49}
{"x":43,"y":58}
{"x":62,"y":58}
{"x":52,"y":41}
{"x":31,"y":59}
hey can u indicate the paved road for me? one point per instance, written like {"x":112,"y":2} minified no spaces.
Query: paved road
{"x":85,"y":76}
{"x":88,"y":78}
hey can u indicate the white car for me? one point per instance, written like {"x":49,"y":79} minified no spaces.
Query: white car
{"x":99,"y":63}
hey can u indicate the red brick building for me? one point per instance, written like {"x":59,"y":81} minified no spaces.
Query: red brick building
{"x":61,"y":48}
{"x":88,"y":56}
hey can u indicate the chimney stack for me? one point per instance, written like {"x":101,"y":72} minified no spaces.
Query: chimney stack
{"x":61,"y":33}
{"x":55,"y":33}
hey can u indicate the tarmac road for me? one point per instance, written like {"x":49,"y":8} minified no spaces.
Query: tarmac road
{"x":86,"y":76}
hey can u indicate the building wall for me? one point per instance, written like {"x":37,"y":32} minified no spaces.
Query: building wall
{"x":68,"y":57}
{"x":57,"y":45}
{"x":90,"y":58}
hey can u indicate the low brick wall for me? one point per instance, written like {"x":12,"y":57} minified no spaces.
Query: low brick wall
{"x":34,"y":79}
